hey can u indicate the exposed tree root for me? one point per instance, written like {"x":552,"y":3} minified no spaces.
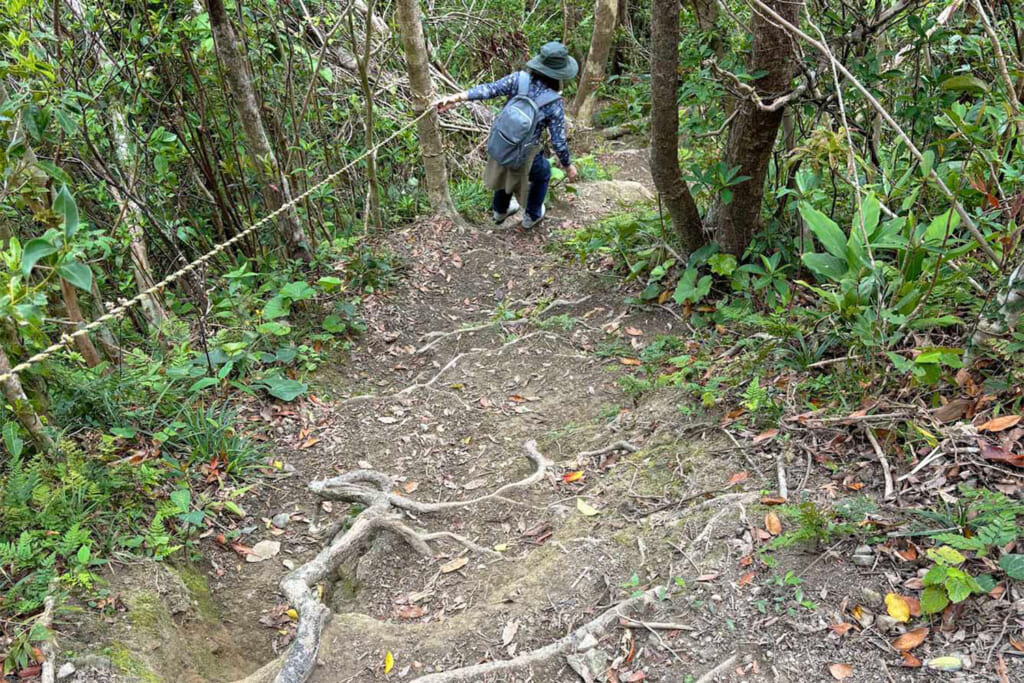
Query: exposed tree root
{"x":722,"y":668}
{"x":48,"y":646}
{"x":383,"y":512}
{"x":617,"y":446}
{"x":438,"y":337}
{"x":610,"y":618}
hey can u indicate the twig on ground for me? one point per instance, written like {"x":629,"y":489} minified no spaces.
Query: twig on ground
{"x":807,"y":472}
{"x":889,"y":490}
{"x":780,"y":470}
{"x":718,"y":670}
{"x":621,"y":445}
{"x":931,"y":457}
{"x":656,"y":625}
{"x":743,"y":452}
{"x":597,"y":626}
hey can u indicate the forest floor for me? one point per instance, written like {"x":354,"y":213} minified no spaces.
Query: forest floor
{"x":668,"y":500}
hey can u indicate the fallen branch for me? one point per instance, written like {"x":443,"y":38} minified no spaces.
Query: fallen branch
{"x":718,"y":670}
{"x":780,"y":469}
{"x":656,"y":625}
{"x":382,"y":512}
{"x":527,"y":659}
{"x":886,"y":470}
{"x":47,"y":647}
{"x":617,"y":446}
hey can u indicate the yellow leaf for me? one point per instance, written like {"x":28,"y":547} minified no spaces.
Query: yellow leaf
{"x":585,"y":508}
{"x":292,"y":614}
{"x":897,"y":607}
{"x":389,"y":662}
{"x":501,"y":547}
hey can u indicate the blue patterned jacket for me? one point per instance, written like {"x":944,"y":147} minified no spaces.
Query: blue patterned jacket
{"x":551,"y":116}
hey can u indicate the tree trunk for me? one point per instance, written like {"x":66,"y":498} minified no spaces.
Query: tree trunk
{"x":82,"y":342}
{"x":753,"y":131}
{"x":276,"y":186}
{"x":151,"y":306}
{"x":371,"y":208}
{"x":24,"y":413}
{"x":606,"y":18}
{"x":665,"y":125}
{"x":107,"y":342}
{"x":418,"y":64}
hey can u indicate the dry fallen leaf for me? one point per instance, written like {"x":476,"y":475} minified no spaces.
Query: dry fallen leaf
{"x":772,"y":500}
{"x":897,"y":607}
{"x":910,"y":639}
{"x":411,"y":486}
{"x":585,"y":508}
{"x":629,"y":361}
{"x":633,"y":332}
{"x":570,"y":477}
{"x":1017,"y":644}
{"x":1000,"y":423}
{"x":410,"y":612}
{"x":842,"y":628}
{"x":840,"y":671}
{"x":772,"y":524}
{"x":910,"y":661}
{"x":508,"y":634}
{"x":766,"y":436}
{"x":747,"y":579}
{"x":454,"y":565}
{"x":737,"y":478}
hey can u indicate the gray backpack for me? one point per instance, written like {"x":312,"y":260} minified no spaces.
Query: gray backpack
{"x":509,"y":141}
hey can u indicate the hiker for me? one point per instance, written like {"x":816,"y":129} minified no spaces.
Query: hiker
{"x":515,"y":166}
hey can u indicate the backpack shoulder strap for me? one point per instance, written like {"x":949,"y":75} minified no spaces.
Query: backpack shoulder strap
{"x":547,"y":97}
{"x":524,"y":83}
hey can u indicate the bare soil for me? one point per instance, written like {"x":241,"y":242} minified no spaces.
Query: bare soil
{"x":664,"y":515}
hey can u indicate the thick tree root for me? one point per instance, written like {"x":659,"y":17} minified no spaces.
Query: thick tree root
{"x":383,"y":508}
{"x":607,"y":620}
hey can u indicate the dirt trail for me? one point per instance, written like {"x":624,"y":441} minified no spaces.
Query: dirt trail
{"x":494,"y":339}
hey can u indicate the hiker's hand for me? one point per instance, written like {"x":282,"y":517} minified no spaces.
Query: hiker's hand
{"x":448,"y":102}
{"x":571,"y":174}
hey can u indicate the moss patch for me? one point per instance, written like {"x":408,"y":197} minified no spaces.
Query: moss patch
{"x":199,"y":590}
{"x":125,"y":662}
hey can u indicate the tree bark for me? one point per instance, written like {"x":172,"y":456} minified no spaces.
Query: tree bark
{"x":371,"y":209}
{"x":24,"y":413}
{"x":152,"y":308}
{"x":418,"y":65}
{"x":753,"y":131}
{"x":606,"y":18}
{"x":82,"y":342}
{"x":276,"y":186}
{"x":665,"y":125}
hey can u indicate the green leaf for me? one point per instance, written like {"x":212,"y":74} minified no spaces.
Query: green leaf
{"x":933,"y":599}
{"x":330,"y":283}
{"x":936,"y":576}
{"x":825,"y":229}
{"x":871,"y":211}
{"x":160,"y":164}
{"x":825,"y":265}
{"x":182,"y":499}
{"x":585,"y":508}
{"x":722,"y":264}
{"x":936,"y":231}
{"x":274,"y":328}
{"x":195,"y":517}
{"x":276,"y":307}
{"x":986,"y":582}
{"x":203,"y":383}
{"x":284,"y":389}
{"x":123,"y":432}
{"x":1013,"y":565}
{"x":15,"y":444}
{"x":83,"y":555}
{"x":957,"y":586}
{"x":36,"y":249}
{"x":946,"y":555}
{"x":297,"y":291}
{"x":65,"y":207}
{"x":928,"y":163}
{"x":965,"y":83}
{"x":78,"y":274}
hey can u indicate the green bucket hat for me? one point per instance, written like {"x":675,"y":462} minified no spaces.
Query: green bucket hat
{"x":554,"y":61}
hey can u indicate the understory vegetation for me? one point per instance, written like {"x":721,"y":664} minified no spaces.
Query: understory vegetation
{"x":874,"y":276}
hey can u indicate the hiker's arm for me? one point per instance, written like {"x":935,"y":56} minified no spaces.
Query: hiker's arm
{"x":556,"y":128}
{"x":506,"y":87}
